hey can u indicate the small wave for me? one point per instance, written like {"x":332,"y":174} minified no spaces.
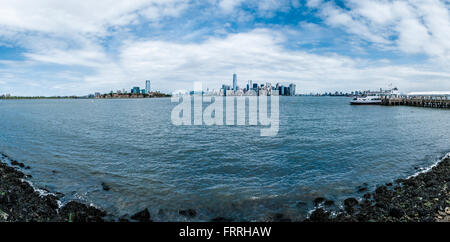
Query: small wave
{"x":42,"y":192}
{"x":427,"y":169}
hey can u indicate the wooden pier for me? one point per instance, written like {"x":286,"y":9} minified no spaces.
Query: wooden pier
{"x":417,"y":101}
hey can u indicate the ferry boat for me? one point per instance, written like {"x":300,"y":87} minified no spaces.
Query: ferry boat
{"x":374,"y":98}
{"x":366,"y":100}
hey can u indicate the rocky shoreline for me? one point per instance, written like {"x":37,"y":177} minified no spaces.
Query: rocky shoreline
{"x":21,"y":202}
{"x":421,"y":198}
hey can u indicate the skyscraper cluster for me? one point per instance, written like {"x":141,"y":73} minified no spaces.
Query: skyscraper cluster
{"x":254,"y":89}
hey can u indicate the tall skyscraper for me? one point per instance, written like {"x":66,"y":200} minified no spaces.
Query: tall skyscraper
{"x":292,"y":89}
{"x":147,"y":86}
{"x":234,"y":82}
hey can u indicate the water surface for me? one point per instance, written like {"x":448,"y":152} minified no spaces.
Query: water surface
{"x":325,"y":147}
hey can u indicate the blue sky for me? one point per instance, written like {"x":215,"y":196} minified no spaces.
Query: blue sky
{"x":79,"y":47}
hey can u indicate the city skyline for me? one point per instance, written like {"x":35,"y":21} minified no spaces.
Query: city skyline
{"x":47,"y":48}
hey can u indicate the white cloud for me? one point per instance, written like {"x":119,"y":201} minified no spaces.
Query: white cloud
{"x":94,"y":17}
{"x":412,"y":26}
{"x":69,"y":36}
{"x":258,"y":55}
{"x":229,"y":5}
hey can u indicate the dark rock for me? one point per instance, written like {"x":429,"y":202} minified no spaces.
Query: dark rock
{"x":381,"y":205}
{"x":301,"y":204}
{"x":105,"y":186}
{"x":319,"y":215}
{"x":362,"y":189}
{"x":188,"y":213}
{"x":279,"y":217}
{"x":51,"y":201}
{"x":329,"y":203}
{"x":59,"y":195}
{"x":318,"y":201}
{"x":221,"y":219}
{"x":381,"y":190}
{"x":349,"y":205}
{"x":142,"y":216}
{"x":123,"y":220}
{"x":367,"y":196}
{"x":396,"y":212}
{"x":350,"y":202}
{"x":78,"y":212}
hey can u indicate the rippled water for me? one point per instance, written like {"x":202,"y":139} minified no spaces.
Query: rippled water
{"x":325,"y":147}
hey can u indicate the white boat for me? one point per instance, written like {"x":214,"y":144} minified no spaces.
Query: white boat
{"x":374,"y":97}
{"x":366,"y":100}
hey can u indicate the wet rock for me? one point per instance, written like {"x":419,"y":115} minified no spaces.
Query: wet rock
{"x":188,"y":213}
{"x":396,"y":212}
{"x":123,"y":220}
{"x":362,"y":189}
{"x":349,"y":205}
{"x":319,"y":215}
{"x":329,"y":203}
{"x":221,"y":219}
{"x":51,"y":201}
{"x":279,"y":217}
{"x":25,"y":204}
{"x":78,"y":212}
{"x":350,"y":202}
{"x":301,"y":204}
{"x":318,"y":201}
{"x":59,"y":195}
{"x":381,"y":190}
{"x":16,"y":163}
{"x":105,"y":186}
{"x":142,"y":216}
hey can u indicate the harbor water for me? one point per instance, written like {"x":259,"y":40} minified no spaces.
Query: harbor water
{"x":324,"y":148}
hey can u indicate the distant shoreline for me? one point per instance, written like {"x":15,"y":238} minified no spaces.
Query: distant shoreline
{"x":83,"y":98}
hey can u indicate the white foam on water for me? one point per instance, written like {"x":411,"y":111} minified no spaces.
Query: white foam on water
{"x":42,"y":192}
{"x":427,"y":169}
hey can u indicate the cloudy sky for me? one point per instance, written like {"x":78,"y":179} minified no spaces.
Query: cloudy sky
{"x":77,"y":47}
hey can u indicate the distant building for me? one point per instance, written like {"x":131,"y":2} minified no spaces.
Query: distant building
{"x":255,"y":87}
{"x":234,"y":82}
{"x":292,"y":89}
{"x":147,"y":86}
{"x":135,"y":90}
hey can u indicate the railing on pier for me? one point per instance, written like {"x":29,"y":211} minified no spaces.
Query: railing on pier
{"x":433,"y":101}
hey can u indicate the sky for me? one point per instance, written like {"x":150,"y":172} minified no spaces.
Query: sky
{"x":78,"y":47}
